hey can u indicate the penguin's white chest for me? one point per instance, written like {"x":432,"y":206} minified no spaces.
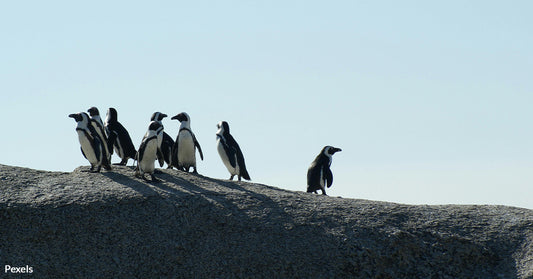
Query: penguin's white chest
{"x":147,"y":164}
{"x":225,"y":159}
{"x":186,"y":151}
{"x":87,"y":148}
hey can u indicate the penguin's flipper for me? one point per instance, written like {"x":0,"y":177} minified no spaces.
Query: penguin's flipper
{"x":231,"y":156}
{"x":229,"y":151}
{"x":328,"y":176}
{"x":197,"y":146}
{"x":83,"y":153}
{"x":125,"y":140}
{"x":240,"y":162}
{"x":166,"y":147}
{"x":168,"y":153}
{"x":174,"y":155}
{"x":97,"y":146}
{"x":112,"y":136}
{"x":160,"y":157}
{"x":140,"y":153}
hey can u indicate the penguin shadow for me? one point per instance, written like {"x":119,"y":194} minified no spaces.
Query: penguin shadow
{"x":179,"y":185}
{"x":166,"y":179}
{"x":230,"y":184}
{"x":172,"y":179}
{"x":225,"y":205}
{"x":235,"y":185}
{"x":194,"y":188}
{"x":278,"y":213}
{"x":141,"y":186}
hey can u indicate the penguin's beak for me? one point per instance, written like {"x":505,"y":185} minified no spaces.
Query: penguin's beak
{"x":163,"y":115}
{"x":76,"y":116}
{"x":180,"y":117}
{"x":336,"y":150}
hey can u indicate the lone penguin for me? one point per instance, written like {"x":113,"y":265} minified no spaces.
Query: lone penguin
{"x":184,"y":149}
{"x":319,"y":173}
{"x":166,"y":143}
{"x":119,"y":137}
{"x":98,"y":125}
{"x":230,"y":152}
{"x":149,"y":151}
{"x":91,"y":146}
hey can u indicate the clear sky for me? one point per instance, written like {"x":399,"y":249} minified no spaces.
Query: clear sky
{"x":431,"y":102}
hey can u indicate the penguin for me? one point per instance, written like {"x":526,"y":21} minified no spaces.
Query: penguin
{"x":166,"y":143}
{"x":119,"y":137}
{"x":91,"y":146}
{"x":149,"y":151}
{"x":319,"y":174}
{"x":230,"y":152}
{"x":184,"y":149}
{"x":98,"y":125}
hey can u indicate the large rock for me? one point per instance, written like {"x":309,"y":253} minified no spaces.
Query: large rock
{"x":111,"y":224}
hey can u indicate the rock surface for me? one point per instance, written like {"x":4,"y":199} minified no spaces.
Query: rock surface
{"x":111,"y":224}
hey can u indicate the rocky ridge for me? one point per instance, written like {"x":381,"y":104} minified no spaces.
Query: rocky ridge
{"x":111,"y":224}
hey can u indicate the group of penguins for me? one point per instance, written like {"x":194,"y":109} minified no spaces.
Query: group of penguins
{"x":98,"y":140}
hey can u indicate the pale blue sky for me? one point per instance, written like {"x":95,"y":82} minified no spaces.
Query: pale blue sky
{"x":430,"y":102}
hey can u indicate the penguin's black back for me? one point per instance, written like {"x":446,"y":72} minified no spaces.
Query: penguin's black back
{"x":321,"y":163}
{"x":166,"y":147}
{"x":117,"y":130}
{"x":232,"y":143}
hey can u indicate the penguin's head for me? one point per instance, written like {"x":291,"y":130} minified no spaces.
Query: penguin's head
{"x":77,"y":116}
{"x":181,"y":117}
{"x":155,"y":126}
{"x":93,"y":111}
{"x":112,"y":115}
{"x":223,"y":127}
{"x":158,"y":116}
{"x":80,"y":117}
{"x":154,"y":129}
{"x":330,"y":150}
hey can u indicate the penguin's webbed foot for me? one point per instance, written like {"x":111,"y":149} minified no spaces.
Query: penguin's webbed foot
{"x":139,"y":175}
{"x":108,"y":167}
{"x":154,"y":179}
{"x":143,"y":177}
{"x":92,"y":170}
{"x":122,"y":163}
{"x":231,"y":177}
